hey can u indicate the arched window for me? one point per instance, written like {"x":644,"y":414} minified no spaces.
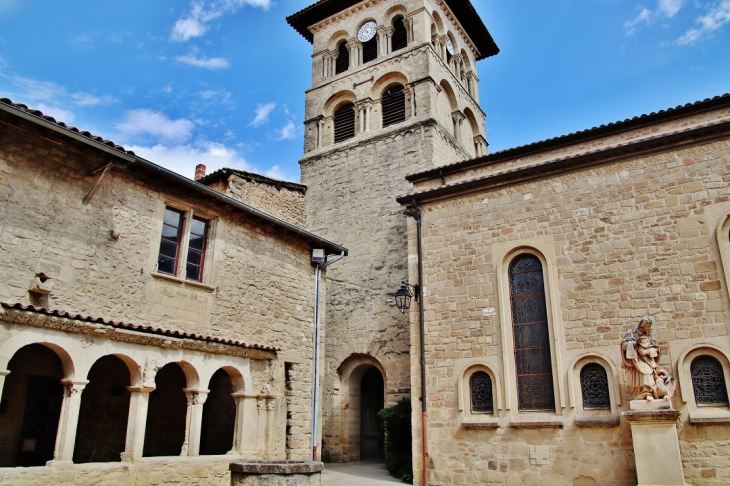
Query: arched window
{"x":344,"y":122}
{"x":480,"y":387}
{"x":594,"y":387}
{"x":370,"y":50}
{"x":394,"y":105}
{"x":343,"y":58}
{"x":533,"y":362}
{"x":400,"y":35}
{"x":708,"y":382}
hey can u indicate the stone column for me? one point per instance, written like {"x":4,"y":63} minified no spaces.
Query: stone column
{"x":382,"y":44}
{"x":456,"y":59}
{"x":193,"y":427}
{"x":354,"y":47}
{"x":472,"y":82}
{"x":656,"y":447}
{"x":68,"y":420}
{"x":270,"y":425}
{"x":408,"y":22}
{"x":136,"y":422}
{"x":458,"y":118}
{"x":481,"y":145}
{"x":388,"y":40}
{"x":261,"y":423}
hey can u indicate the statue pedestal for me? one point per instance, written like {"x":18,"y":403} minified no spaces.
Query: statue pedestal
{"x":656,"y":445}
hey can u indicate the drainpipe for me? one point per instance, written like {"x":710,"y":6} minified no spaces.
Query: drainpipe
{"x":316,"y":355}
{"x":416,"y":214}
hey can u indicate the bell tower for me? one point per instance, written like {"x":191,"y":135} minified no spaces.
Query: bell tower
{"x":394,"y":91}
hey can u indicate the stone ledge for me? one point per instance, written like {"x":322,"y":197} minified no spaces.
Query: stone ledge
{"x":608,"y":421}
{"x":276,"y":467}
{"x":652,"y":416}
{"x":486,"y":424}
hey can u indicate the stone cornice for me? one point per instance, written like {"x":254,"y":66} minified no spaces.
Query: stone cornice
{"x":343,"y":15}
{"x":64,"y":324}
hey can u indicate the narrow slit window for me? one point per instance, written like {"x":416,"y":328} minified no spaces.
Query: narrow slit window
{"x":533,"y":362}
{"x":394,"y":106}
{"x":343,"y":59}
{"x":370,"y":50}
{"x":708,"y":382}
{"x":344,"y":122}
{"x":170,"y":242}
{"x":196,"y":249}
{"x":480,"y":385}
{"x":594,"y":387}
{"x":400,"y":35}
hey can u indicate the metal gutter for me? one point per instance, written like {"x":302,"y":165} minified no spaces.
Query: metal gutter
{"x":151,"y":166}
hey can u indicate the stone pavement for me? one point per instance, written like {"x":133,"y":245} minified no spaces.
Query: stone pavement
{"x":357,"y":474}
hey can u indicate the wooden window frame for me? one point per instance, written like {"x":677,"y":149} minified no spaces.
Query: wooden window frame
{"x":188,"y":215}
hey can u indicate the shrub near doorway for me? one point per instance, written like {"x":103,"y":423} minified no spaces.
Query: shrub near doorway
{"x":398,"y":440}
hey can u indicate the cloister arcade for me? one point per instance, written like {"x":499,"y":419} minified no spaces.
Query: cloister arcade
{"x":83,"y":398}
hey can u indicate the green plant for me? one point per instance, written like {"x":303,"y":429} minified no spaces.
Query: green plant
{"x":398,"y":458}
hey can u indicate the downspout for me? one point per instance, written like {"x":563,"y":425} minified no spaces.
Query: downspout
{"x":316,"y":355}
{"x":416,"y":213}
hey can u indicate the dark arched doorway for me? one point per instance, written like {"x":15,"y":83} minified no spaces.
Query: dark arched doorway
{"x":166,"y":413}
{"x":30,"y":407}
{"x":219,"y":416}
{"x":102,"y":426}
{"x":372,"y":435}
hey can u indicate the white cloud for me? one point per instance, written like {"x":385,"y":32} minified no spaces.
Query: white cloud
{"x":183,"y":158}
{"x":49,"y":92}
{"x":203,"y":62}
{"x":262,"y":114}
{"x":288,"y":132}
{"x":665,"y":9}
{"x":157,"y":125}
{"x":185,"y":29}
{"x":715,"y":19}
{"x":202,"y":13}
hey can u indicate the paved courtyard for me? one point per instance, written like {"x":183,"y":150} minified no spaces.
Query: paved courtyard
{"x":357,"y":474}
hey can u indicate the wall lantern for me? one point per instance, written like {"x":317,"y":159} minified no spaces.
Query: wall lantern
{"x":403,"y":296}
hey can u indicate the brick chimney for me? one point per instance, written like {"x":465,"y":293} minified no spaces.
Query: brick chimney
{"x":199,"y":172}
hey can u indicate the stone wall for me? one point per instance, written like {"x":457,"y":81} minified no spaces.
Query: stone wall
{"x":276,"y":199}
{"x":637,"y":236}
{"x":101,"y":257}
{"x":198,"y":471}
{"x":350,"y":198}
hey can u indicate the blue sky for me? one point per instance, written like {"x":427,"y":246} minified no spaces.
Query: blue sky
{"x":221,"y":82}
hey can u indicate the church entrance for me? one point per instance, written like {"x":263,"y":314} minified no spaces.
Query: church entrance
{"x":372,"y":436}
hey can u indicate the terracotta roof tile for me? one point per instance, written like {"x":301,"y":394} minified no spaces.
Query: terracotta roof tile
{"x":135,"y":327}
{"x":40,"y":114}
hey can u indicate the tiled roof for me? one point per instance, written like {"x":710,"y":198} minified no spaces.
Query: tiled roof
{"x":558,"y":163}
{"x":278,"y":183}
{"x":36,"y":116}
{"x":48,"y":118}
{"x":463,"y":9}
{"x":575,"y":137}
{"x":135,"y":327}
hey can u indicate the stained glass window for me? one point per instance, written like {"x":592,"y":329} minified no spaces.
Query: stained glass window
{"x":594,"y":387}
{"x":531,"y":335}
{"x":708,"y":381}
{"x":480,"y":385}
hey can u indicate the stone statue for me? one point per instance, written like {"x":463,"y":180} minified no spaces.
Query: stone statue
{"x":639,"y":358}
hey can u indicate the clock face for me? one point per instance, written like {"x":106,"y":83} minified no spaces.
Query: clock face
{"x":366,"y":32}
{"x":449,"y":46}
